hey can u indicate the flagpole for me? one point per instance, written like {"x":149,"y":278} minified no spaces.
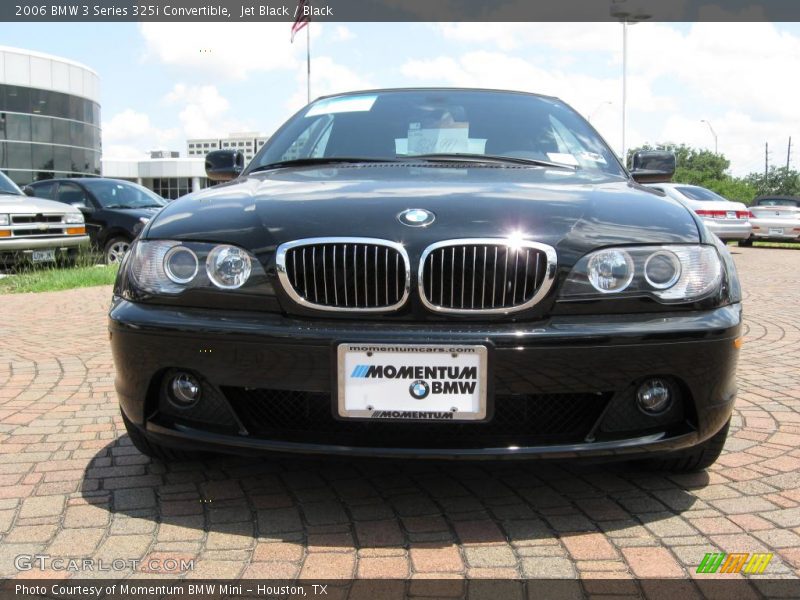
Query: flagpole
{"x":308,"y":62}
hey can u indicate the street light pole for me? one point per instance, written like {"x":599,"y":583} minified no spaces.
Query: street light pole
{"x":624,"y":84}
{"x":627,"y":15}
{"x":714,"y":133}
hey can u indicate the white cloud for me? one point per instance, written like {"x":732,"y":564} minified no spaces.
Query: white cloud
{"x":129,"y":134}
{"x":226,"y":50}
{"x":202,"y":111}
{"x":327,"y":77}
{"x":343,"y":34}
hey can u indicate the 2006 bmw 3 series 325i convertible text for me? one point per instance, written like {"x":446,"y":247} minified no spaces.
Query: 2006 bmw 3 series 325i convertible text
{"x":430,"y":273}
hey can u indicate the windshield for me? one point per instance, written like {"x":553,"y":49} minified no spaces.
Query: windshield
{"x":121,"y":194}
{"x":778,"y":202}
{"x":8,"y":187}
{"x":397,"y":124}
{"x":698,"y":193}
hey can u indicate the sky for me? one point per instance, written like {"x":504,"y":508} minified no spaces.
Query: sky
{"x":162,"y":83}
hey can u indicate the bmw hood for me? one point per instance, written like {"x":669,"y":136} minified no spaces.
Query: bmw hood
{"x":572,"y":211}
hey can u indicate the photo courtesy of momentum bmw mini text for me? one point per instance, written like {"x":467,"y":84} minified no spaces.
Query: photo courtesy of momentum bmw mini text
{"x":388,"y":299}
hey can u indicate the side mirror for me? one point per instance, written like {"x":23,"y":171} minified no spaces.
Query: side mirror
{"x":28,"y":191}
{"x":82,"y":206}
{"x":653,"y":167}
{"x":224,"y":165}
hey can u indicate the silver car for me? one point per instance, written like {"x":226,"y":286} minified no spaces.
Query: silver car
{"x":775,"y":218}
{"x":35,"y":230}
{"x":728,"y":220}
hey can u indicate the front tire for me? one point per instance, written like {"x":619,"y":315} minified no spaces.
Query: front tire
{"x":115,"y":250}
{"x":696,"y":458}
{"x":151,"y":449}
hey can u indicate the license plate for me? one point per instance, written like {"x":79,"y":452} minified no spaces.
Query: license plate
{"x":43,"y":255}
{"x":412,"y":382}
{"x":776,"y":231}
{"x":731,"y":214}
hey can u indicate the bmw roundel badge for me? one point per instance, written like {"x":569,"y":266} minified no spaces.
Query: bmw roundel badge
{"x":419,"y":389}
{"x":416,"y":217}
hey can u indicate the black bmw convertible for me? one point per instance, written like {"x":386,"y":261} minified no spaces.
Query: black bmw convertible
{"x":433,"y":273}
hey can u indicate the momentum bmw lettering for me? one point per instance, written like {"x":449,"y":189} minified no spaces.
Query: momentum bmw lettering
{"x":430,"y":273}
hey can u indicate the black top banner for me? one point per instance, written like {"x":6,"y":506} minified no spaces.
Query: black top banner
{"x":400,"y":10}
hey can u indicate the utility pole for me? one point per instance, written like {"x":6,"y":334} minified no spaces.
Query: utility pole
{"x":766,"y":160}
{"x":789,"y":153}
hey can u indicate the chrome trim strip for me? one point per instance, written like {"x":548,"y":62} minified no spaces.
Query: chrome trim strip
{"x":283,"y":276}
{"x":547,"y":283}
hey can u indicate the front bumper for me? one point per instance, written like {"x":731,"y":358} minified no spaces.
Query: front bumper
{"x":559,"y":360}
{"x":33,"y":243}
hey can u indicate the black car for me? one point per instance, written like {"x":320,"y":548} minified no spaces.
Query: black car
{"x":430,"y":273}
{"x":115,"y":210}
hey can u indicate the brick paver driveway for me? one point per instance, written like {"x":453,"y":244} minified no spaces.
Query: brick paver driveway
{"x":71,"y":485}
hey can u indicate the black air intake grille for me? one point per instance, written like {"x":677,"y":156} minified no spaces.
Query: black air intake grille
{"x":517,"y":420}
{"x":355,"y":274}
{"x":40,"y":218}
{"x":485,"y":275}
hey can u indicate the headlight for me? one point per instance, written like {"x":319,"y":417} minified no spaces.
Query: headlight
{"x":172,"y":267}
{"x":671,"y":274}
{"x":4,"y":220}
{"x":610,"y":271}
{"x":228,"y":267}
{"x":180,"y":264}
{"x":73,"y":218}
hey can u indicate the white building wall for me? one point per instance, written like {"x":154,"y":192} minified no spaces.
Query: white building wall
{"x":47,"y":72}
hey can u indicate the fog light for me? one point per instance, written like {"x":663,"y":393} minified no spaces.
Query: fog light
{"x":185,"y":390}
{"x":654,"y":396}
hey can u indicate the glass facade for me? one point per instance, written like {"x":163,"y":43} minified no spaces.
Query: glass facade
{"x":172,"y":187}
{"x":46,"y":134}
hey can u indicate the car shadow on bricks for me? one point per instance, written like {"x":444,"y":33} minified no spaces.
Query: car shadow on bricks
{"x":435,"y":514}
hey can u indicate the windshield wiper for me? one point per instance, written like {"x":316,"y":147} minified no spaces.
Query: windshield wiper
{"x":332,"y":160}
{"x":457,"y":156}
{"x":148,"y":206}
{"x":118,"y":206}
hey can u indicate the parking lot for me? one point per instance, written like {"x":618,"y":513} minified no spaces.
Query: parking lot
{"x":71,"y":485}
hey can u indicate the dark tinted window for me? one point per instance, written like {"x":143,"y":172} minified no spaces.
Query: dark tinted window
{"x":46,"y":189}
{"x":408,"y":123}
{"x":69,"y":193}
{"x":698,"y":193}
{"x":122,"y":194}
{"x":7,"y":186}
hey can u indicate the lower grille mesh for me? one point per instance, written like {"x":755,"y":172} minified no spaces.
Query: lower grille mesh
{"x":518,"y":420}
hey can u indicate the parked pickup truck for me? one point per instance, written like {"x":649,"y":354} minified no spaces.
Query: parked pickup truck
{"x":34,"y":230}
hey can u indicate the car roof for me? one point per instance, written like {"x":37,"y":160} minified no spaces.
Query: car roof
{"x":436,"y":89}
{"x":76,"y":179}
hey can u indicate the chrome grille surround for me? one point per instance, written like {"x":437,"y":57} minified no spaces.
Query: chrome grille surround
{"x":535,"y":253}
{"x":322,"y":288}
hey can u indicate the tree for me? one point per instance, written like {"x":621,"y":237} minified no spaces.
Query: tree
{"x":704,"y":168}
{"x":781,"y":181}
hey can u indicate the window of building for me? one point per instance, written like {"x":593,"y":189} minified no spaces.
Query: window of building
{"x":172,"y":187}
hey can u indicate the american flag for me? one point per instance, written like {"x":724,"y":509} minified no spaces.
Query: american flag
{"x":300,"y":19}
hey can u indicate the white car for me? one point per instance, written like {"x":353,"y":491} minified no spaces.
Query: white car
{"x":35,"y":230}
{"x":775,"y":218}
{"x":728,"y":220}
